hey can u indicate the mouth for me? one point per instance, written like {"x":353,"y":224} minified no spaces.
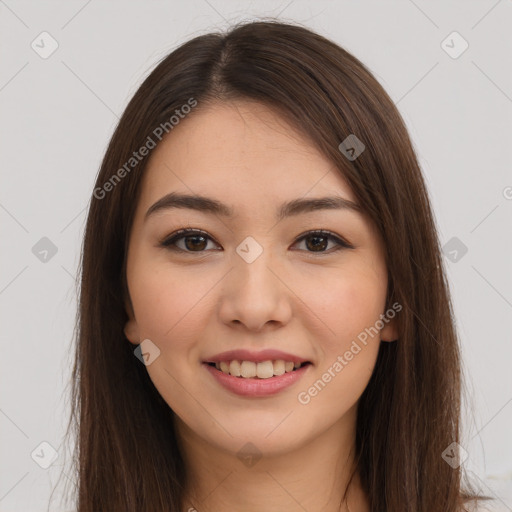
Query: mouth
{"x":262,"y":370}
{"x":256,"y":379}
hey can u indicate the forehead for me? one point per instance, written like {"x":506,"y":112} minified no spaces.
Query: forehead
{"x":240,"y":150}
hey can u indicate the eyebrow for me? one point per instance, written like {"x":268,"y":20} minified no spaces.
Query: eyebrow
{"x":210,"y":205}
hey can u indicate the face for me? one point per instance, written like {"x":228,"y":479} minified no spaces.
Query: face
{"x":253,"y":287}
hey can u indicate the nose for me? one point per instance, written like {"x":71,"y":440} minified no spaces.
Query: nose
{"x":255,"y":295}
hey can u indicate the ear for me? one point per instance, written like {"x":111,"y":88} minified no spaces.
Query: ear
{"x":131,"y":329}
{"x":389,"y":332}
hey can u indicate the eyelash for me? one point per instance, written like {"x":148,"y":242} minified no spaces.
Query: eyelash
{"x":169,"y":242}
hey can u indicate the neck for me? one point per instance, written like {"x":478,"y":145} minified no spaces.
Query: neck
{"x":312,"y":477}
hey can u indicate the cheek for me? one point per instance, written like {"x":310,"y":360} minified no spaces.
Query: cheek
{"x":170,"y":305}
{"x":348,"y":306}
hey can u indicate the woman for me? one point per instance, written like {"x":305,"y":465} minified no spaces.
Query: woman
{"x":264,"y":320}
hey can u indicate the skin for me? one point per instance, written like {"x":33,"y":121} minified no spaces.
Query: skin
{"x":193,"y":305}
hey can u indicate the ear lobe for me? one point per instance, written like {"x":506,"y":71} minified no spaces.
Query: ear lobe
{"x":389,"y":332}
{"x":131,"y":329}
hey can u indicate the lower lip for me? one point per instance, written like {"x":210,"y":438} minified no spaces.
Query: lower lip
{"x":257,"y":387}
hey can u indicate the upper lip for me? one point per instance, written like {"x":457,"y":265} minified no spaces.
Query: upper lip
{"x":256,"y":357}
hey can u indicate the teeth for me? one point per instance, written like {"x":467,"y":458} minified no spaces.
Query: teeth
{"x":265,"y":370}
{"x":279,"y":367}
{"x":262,"y":370}
{"x":248,"y":369}
{"x":234,"y":368}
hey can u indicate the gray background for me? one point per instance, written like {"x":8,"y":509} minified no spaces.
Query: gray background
{"x":58,"y":113}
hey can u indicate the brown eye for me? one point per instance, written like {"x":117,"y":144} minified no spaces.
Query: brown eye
{"x":194,"y":241}
{"x":197,"y":241}
{"x":318,"y":241}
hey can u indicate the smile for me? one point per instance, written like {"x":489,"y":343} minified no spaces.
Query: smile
{"x":261,"y":370}
{"x":249,"y":384}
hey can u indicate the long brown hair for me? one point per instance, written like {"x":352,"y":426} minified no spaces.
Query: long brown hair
{"x":127,"y":455}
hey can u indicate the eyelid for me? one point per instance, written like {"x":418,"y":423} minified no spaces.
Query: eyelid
{"x":167,"y":242}
{"x":183,"y":233}
{"x":342,"y":243}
